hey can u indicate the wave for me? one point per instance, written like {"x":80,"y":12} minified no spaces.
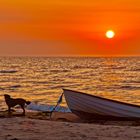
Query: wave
{"x":117,"y":87}
{"x":59,"y":70}
{"x":15,"y":86}
{"x":84,"y":67}
{"x":132,"y":81}
{"x":130,"y":87}
{"x":117,"y":68}
{"x":8,"y":71}
{"x":136,"y":69}
{"x":10,"y":87}
{"x":2,"y":88}
{"x":40,"y":82}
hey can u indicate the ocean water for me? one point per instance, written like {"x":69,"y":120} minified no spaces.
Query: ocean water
{"x":41,"y":79}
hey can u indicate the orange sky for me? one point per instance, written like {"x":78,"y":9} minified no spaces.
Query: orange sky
{"x":69,"y":27}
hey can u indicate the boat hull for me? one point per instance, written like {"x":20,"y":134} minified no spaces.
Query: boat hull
{"x":93,"y":116}
{"x":92,"y":107}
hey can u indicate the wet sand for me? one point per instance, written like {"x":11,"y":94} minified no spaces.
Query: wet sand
{"x":64,"y":126}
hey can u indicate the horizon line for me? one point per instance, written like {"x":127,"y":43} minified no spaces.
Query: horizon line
{"x":69,"y":55}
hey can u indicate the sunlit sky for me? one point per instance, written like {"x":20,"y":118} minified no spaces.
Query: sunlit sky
{"x":69,"y":27}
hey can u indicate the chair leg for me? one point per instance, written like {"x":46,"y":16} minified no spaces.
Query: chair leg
{"x":51,"y":114}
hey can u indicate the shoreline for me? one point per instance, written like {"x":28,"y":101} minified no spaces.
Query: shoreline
{"x":67,"y":117}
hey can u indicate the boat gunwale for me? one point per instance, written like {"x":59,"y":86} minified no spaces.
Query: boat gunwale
{"x":102,"y":98}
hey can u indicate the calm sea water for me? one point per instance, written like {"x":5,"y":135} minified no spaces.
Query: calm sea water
{"x":41,"y":79}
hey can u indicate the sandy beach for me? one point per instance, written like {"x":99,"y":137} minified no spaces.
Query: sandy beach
{"x":62,"y":126}
{"x":62,"y":58}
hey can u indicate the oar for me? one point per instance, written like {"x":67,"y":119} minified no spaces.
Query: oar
{"x":58,"y":102}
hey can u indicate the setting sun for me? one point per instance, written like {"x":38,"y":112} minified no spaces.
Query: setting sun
{"x":110,"y":34}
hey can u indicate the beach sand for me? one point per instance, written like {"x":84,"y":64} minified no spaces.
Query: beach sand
{"x":64,"y":126}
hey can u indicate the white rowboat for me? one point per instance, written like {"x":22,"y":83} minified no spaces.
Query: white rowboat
{"x":90,"y":107}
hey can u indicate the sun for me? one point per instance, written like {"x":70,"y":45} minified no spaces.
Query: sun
{"x":110,"y":34}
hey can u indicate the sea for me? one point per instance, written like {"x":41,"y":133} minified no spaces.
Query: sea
{"x":41,"y":79}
